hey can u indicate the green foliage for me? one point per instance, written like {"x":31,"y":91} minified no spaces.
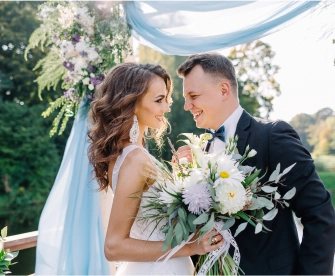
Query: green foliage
{"x":328,"y":179}
{"x":255,"y":73}
{"x":6,"y":256}
{"x":29,"y":158}
{"x":317,"y":131}
{"x":17,"y":22}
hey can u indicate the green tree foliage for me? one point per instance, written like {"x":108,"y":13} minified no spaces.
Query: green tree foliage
{"x":29,"y":158}
{"x":255,"y":74}
{"x":17,"y":22}
{"x":257,"y":85}
{"x":317,"y":131}
{"x":301,"y":124}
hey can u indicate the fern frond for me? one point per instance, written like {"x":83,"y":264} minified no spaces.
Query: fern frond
{"x":40,"y":36}
{"x":52,"y":72}
{"x":54,"y":105}
{"x":63,"y":125}
{"x":56,"y":121}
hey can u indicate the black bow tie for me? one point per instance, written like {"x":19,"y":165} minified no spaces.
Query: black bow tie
{"x":219,"y":133}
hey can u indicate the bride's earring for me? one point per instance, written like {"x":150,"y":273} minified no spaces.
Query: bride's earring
{"x":134,"y":131}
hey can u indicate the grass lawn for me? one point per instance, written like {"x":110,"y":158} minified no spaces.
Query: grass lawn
{"x":328,"y":178}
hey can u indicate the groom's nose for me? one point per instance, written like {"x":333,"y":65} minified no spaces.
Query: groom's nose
{"x":187,"y":105}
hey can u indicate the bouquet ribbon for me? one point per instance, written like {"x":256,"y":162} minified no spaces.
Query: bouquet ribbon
{"x":214,"y":255}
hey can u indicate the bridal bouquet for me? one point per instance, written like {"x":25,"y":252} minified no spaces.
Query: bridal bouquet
{"x":84,"y":41}
{"x":213,"y":192}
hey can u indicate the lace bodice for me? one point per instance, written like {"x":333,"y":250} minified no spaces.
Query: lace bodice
{"x":141,"y":229}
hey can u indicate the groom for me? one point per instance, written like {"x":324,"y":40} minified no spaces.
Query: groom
{"x":211,"y":95}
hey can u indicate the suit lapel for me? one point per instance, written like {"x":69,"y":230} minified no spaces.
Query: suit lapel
{"x":242,"y":132}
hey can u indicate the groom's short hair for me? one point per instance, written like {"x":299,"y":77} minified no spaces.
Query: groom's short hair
{"x":218,"y":66}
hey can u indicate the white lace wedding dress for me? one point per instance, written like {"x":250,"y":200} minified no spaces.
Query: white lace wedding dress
{"x":141,"y":230}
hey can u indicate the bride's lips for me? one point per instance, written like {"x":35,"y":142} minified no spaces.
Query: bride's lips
{"x":196,"y":115}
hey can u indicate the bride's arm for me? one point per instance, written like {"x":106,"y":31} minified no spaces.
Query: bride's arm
{"x":118,"y":245}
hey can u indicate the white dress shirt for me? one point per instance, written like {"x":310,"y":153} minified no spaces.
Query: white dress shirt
{"x":230,"y":127}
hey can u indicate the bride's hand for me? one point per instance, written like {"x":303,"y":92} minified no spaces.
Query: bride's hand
{"x":206,"y":244}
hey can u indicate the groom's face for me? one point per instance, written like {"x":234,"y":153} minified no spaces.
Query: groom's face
{"x":203,"y":98}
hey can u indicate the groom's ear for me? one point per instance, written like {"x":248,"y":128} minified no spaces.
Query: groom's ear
{"x":225,"y":89}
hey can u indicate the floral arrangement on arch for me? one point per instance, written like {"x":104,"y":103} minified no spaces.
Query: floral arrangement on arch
{"x":84,"y":40}
{"x":213,"y":191}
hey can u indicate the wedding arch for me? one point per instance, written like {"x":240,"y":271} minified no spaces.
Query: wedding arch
{"x":85,"y":39}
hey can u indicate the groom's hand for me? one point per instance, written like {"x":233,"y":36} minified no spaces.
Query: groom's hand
{"x":183,"y":152}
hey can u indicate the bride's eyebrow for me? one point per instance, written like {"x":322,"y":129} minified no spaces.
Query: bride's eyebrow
{"x":160,"y":96}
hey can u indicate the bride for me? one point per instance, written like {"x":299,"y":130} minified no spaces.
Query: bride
{"x":132,"y":101}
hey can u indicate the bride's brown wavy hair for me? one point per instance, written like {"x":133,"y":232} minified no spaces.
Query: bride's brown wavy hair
{"x":113,"y":110}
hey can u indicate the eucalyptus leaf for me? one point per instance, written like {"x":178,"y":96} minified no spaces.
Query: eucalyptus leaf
{"x":271,"y":214}
{"x":265,"y":202}
{"x":240,"y":228}
{"x":236,"y":156}
{"x":255,"y":205}
{"x":168,"y":239}
{"x":288,"y":169}
{"x":275,"y":173}
{"x":201,"y":219}
{"x":178,"y":233}
{"x":190,"y":218}
{"x":277,"y":195}
{"x":229,"y":223}
{"x":286,"y":203}
{"x":269,"y":189}
{"x":290,"y":194}
{"x":258,"y":228}
{"x":182,"y":213}
{"x":209,"y":225}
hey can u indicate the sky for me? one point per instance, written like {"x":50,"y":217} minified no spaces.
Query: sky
{"x":306,"y":58}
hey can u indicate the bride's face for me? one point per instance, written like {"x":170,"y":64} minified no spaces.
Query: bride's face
{"x":150,"y":111}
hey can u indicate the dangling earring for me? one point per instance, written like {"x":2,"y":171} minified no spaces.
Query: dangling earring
{"x":134,"y":131}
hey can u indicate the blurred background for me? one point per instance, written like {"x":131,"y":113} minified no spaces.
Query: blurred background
{"x":288,"y":75}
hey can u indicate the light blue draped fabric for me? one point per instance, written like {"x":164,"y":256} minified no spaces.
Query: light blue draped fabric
{"x":71,"y":236}
{"x":189,"y":27}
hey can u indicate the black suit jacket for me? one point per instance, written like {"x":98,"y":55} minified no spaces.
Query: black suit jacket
{"x":279,"y":251}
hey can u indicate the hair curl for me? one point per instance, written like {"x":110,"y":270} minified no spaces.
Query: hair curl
{"x":113,"y":110}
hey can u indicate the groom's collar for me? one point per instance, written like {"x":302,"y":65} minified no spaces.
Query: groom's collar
{"x":231,"y":122}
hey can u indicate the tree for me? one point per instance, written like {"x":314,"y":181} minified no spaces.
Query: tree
{"x":301,"y":123}
{"x":29,"y":158}
{"x":17,"y":78}
{"x":255,"y":72}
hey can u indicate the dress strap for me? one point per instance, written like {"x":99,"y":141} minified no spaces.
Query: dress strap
{"x":119,"y":162}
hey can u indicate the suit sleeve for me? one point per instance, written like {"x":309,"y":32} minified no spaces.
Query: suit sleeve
{"x":312,"y":202}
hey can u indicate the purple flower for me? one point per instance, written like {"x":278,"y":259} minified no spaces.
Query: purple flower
{"x":75,"y":39}
{"x":66,"y":34}
{"x":68,"y":65}
{"x":89,"y":96}
{"x":90,"y":68}
{"x":95,"y":81}
{"x":67,"y":79}
{"x":55,"y":36}
{"x":83,"y":53}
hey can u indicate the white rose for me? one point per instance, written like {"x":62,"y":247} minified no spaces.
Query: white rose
{"x":91,"y":87}
{"x":92,"y":75}
{"x":86,"y":81}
